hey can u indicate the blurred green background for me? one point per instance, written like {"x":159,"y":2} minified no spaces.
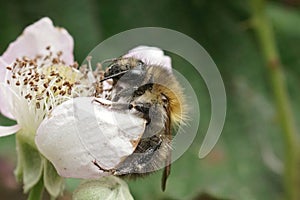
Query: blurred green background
{"x":246,"y":162}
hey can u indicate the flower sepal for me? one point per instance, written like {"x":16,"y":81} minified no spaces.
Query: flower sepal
{"x":33,"y":170}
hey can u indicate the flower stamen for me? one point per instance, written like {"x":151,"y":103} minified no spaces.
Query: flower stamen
{"x":44,"y":82}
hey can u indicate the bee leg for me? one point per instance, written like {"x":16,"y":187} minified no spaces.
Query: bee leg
{"x":144,"y":109}
{"x":139,"y":163}
{"x":142,"y":89}
{"x":103,"y":169}
{"x":113,"y":105}
{"x":103,"y":102}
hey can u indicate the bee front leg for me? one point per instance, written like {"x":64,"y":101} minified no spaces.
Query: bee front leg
{"x":113,"y":105}
{"x":103,"y":102}
{"x":111,"y":171}
{"x":143,"y":108}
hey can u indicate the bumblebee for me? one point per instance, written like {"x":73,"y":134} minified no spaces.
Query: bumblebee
{"x":153,"y":93}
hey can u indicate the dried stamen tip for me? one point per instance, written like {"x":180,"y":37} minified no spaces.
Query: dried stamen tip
{"x":59,"y":53}
{"x":99,"y":66}
{"x":75,"y":65}
{"x":89,"y":60}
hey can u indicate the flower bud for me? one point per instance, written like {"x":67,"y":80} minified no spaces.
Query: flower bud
{"x":108,"y":187}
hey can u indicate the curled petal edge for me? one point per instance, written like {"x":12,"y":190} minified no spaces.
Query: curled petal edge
{"x":9,"y":130}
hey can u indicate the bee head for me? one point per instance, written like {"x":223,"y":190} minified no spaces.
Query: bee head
{"x":121,"y":66}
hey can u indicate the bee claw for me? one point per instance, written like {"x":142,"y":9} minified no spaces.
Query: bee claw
{"x":111,"y":171}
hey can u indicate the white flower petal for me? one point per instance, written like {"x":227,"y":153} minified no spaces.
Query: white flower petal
{"x":9,"y":130}
{"x":6,"y":101}
{"x":4,"y":108}
{"x":150,"y":55}
{"x":80,"y":131}
{"x":3,"y":70}
{"x":36,"y":38}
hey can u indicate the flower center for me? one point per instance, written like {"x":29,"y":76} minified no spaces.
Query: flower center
{"x":41,"y":83}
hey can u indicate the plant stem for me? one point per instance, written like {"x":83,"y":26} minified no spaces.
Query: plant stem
{"x":37,"y":191}
{"x":265,"y":35}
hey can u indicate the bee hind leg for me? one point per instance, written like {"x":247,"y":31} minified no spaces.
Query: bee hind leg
{"x":139,"y":162}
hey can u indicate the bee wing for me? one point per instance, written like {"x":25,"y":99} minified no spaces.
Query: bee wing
{"x":79,"y":132}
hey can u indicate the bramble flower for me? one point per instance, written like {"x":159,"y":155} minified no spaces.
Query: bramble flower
{"x":42,"y":88}
{"x":85,"y":139}
{"x":81,"y":130}
{"x":37,"y":73}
